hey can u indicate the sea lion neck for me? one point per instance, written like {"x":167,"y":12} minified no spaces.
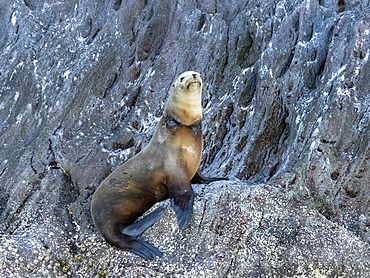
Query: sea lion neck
{"x":185,"y":103}
{"x":187,"y":112}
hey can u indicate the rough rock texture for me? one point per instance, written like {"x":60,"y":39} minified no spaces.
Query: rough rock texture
{"x":286,"y":108}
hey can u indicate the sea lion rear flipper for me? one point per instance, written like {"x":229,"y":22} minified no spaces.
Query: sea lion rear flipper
{"x":133,"y":244}
{"x":200,"y":179}
{"x":182,"y":200}
{"x":140,"y":226}
{"x":143,"y":249}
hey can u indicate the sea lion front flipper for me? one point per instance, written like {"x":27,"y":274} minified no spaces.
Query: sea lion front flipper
{"x":140,"y":226}
{"x":200,"y":179}
{"x":182,"y":200}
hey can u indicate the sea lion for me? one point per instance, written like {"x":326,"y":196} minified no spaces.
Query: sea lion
{"x":164,"y":169}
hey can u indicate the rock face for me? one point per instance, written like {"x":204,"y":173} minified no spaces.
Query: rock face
{"x":286,"y":118}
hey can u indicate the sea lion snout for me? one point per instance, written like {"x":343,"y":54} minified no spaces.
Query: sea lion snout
{"x":191,"y":78}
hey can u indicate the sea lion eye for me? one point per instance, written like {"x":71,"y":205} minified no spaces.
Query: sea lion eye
{"x":182,"y":79}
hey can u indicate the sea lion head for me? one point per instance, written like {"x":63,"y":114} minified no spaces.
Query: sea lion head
{"x":189,"y":81}
{"x":185,"y":100}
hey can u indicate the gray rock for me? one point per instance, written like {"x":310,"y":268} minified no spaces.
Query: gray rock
{"x":286,"y":118}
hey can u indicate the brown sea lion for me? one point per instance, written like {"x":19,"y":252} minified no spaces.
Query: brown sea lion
{"x":164,"y":169}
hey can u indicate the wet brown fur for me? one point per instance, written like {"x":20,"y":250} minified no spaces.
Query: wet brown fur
{"x":162,"y":170}
{"x":142,"y":181}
